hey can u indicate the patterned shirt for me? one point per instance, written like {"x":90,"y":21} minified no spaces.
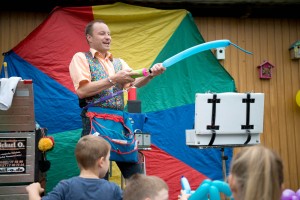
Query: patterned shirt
{"x":92,"y":66}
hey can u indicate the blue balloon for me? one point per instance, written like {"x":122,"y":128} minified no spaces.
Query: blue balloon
{"x":198,"y":48}
{"x":201,"y":192}
{"x":195,"y":49}
{"x":222,"y":186}
{"x":214,"y":193}
{"x":211,"y":189}
{"x":207,"y":181}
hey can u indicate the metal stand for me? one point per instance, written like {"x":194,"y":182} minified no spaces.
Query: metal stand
{"x":224,"y":158}
{"x":142,"y":162}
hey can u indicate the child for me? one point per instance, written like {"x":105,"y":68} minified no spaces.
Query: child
{"x":92,"y":155}
{"x":142,"y":187}
{"x":256,"y":173}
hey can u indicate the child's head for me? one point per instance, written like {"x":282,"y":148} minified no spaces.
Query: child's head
{"x":142,"y":187}
{"x":90,"y":149}
{"x":256,"y":173}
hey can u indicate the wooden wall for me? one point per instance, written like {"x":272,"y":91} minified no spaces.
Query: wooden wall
{"x":15,"y":26}
{"x":268,"y":40}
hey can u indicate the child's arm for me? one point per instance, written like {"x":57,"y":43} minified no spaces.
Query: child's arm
{"x":34,"y":191}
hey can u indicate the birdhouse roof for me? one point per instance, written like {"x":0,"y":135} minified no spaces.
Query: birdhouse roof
{"x":265,"y":63}
{"x":297,"y":43}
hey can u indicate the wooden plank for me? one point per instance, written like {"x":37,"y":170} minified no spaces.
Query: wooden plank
{"x":17,"y":110}
{"x":297,"y":111}
{"x":20,"y":116}
{"x":256,"y":53}
{"x":233,"y":57}
{"x":292,"y":92}
{"x":272,"y":82}
{"x":226,"y":35}
{"x":249,"y":66}
{"x":279,"y":123}
{"x":241,"y":56}
{"x":287,"y":104}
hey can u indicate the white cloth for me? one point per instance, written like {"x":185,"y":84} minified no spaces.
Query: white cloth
{"x":7,"y":91}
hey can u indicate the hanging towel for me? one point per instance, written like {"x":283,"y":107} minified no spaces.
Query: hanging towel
{"x":7,"y":91}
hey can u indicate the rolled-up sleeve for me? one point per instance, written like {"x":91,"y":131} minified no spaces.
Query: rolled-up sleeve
{"x":125,"y":65}
{"x":79,"y":70}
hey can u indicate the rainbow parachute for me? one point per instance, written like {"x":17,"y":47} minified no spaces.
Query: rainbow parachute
{"x":141,"y":36}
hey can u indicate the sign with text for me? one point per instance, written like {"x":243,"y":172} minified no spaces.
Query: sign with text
{"x":13,"y":155}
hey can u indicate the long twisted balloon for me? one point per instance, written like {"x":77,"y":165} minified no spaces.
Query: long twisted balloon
{"x":197,"y":49}
{"x":182,"y":55}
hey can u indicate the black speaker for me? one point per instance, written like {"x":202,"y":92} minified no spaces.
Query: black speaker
{"x":134,"y":106}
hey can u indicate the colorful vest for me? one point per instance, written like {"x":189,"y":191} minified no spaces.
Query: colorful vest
{"x":97,"y":73}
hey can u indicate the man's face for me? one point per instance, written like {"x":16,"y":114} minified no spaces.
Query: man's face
{"x":100,"y":38}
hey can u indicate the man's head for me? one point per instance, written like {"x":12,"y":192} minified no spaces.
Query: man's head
{"x":90,"y":149}
{"x":98,"y":36}
{"x":142,"y":187}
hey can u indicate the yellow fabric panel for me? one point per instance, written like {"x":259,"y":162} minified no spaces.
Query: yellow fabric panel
{"x":138,"y":33}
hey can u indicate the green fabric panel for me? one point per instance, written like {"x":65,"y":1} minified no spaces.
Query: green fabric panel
{"x":62,"y":158}
{"x":199,"y":73}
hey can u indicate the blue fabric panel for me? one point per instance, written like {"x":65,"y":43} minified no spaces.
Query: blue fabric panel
{"x":167,"y":129}
{"x":138,"y":120}
{"x":56,"y":108}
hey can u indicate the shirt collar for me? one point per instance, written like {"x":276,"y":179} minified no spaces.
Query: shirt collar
{"x":108,"y":54}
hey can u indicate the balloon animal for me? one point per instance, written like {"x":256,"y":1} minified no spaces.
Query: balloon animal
{"x":206,"y":189}
{"x":289,"y":194}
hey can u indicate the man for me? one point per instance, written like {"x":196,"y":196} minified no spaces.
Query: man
{"x":97,"y":75}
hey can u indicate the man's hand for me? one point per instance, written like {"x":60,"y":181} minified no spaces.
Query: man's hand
{"x":157,"y":69}
{"x":123,"y":77}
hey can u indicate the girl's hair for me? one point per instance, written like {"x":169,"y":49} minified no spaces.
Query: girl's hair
{"x":258,"y":172}
{"x":89,"y":149}
{"x":140,"y":187}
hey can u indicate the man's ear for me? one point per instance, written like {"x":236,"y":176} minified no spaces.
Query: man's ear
{"x":88,"y":37}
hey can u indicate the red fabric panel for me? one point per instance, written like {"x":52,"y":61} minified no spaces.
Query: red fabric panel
{"x":52,"y":44}
{"x":158,"y":163}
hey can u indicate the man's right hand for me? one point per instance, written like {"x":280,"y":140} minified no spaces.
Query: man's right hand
{"x":123,"y":77}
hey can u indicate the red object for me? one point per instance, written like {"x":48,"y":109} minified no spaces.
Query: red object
{"x":132,"y":93}
{"x":27,"y":81}
{"x":51,"y":138}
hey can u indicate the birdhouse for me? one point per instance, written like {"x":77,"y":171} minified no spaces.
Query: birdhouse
{"x":265,"y":70}
{"x":295,"y":50}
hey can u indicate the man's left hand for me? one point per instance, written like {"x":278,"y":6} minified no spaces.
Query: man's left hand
{"x":157,"y":69}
